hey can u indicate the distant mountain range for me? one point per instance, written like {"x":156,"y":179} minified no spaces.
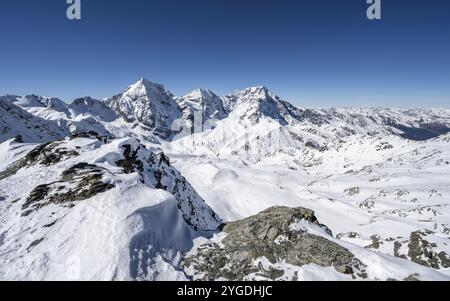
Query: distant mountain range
{"x":154,"y":108}
{"x":146,"y":185}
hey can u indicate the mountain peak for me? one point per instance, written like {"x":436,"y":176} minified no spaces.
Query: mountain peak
{"x":144,"y":87}
{"x":259,"y":88}
{"x":251,"y":95}
{"x":201,"y":93}
{"x":260,"y":91}
{"x":87,"y":98}
{"x":148,"y":103}
{"x":144,"y":81}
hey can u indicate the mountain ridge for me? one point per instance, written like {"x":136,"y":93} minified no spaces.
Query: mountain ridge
{"x":375,"y":178}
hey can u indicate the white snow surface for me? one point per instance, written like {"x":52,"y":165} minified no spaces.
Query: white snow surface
{"x":16,"y":121}
{"x":373,"y":176}
{"x":133,"y":231}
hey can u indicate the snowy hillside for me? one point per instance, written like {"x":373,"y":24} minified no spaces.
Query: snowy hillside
{"x":36,"y":101}
{"x":150,"y":186}
{"x":15,"y":121}
{"x":92,"y":107}
{"x":143,"y":212}
{"x":62,"y":118}
{"x":385,"y":195}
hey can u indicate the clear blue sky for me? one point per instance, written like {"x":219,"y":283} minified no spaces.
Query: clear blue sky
{"x":312,"y":52}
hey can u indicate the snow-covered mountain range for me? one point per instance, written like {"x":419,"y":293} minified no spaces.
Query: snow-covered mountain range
{"x":146,"y":185}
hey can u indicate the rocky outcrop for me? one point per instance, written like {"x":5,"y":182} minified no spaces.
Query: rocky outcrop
{"x":279,"y":235}
{"x":418,"y":248}
{"x":155,"y":171}
{"x":51,"y":153}
{"x":45,"y":154}
{"x":422,"y":251}
{"x":80,"y":182}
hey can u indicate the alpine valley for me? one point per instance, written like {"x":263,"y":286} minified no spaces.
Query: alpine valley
{"x":147,"y":185}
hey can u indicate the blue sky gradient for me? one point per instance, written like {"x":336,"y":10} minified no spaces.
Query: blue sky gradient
{"x":312,"y":53}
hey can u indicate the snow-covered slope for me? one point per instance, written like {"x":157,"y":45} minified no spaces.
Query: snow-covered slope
{"x":376,"y":177}
{"x":40,"y":106}
{"x":83,"y":115}
{"x":100,"y":209}
{"x":90,"y":210}
{"x":388,"y":195}
{"x":283,"y":243}
{"x":33,"y":101}
{"x":15,"y":121}
{"x":260,"y":125}
{"x":92,"y":107}
{"x":149,"y":105}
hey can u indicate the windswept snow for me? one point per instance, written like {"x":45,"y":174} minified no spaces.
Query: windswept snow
{"x":137,"y":228}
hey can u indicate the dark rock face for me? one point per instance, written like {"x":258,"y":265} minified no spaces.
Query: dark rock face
{"x":420,"y":251}
{"x":34,"y":244}
{"x":131,"y":162}
{"x":18,"y":139}
{"x":312,"y":144}
{"x":416,"y":248}
{"x":78,"y":183}
{"x":49,"y":154}
{"x":271,"y":234}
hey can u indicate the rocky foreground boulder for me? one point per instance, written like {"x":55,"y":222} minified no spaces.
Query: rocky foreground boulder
{"x":278,"y":236}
